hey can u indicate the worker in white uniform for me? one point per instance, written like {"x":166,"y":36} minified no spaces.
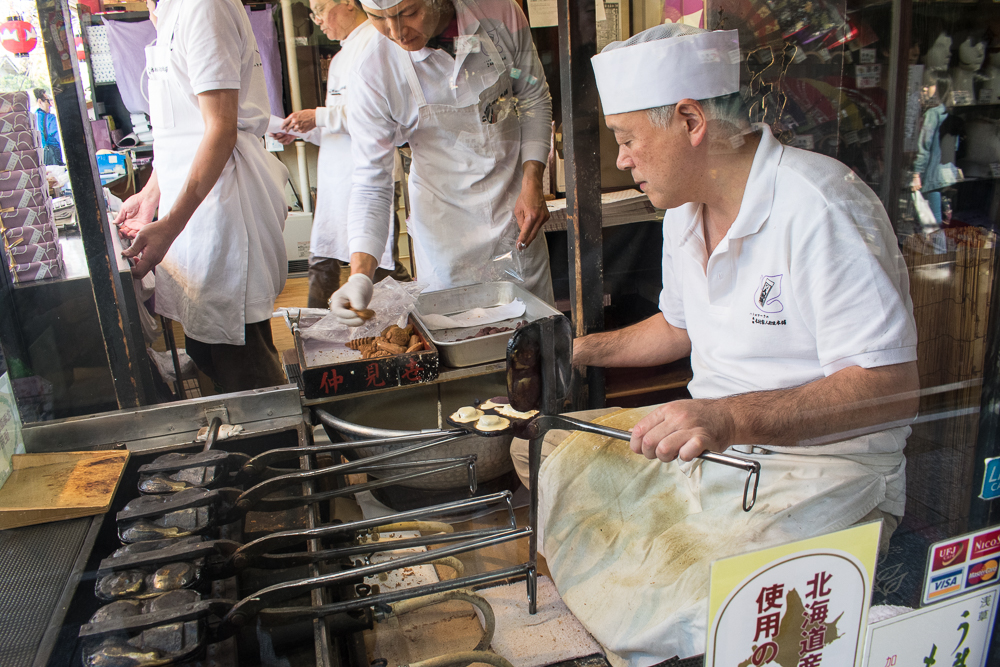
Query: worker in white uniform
{"x":217,"y":244}
{"x":344,"y":21}
{"x":461,"y":82}
{"x":783,"y":281}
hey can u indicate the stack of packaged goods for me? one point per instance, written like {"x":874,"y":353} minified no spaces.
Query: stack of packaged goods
{"x":29,"y":232}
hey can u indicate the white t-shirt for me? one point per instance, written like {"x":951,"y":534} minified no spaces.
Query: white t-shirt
{"x":228,"y":265}
{"x":809,"y":280}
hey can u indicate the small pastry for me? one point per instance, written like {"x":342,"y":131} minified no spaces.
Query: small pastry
{"x":492,"y":423}
{"x":495,"y":403}
{"x":508,"y":411}
{"x":466,"y":415}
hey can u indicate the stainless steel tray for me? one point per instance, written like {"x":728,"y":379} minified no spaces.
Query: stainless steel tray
{"x":460,"y":353}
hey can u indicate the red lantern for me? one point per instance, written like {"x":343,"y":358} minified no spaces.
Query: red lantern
{"x":18,"y":36}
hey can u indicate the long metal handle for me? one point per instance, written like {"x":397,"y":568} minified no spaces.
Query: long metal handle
{"x":546,"y":422}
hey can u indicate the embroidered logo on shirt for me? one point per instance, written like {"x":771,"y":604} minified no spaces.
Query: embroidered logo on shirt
{"x":768,"y":291}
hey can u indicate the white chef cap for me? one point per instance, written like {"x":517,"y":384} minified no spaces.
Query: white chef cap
{"x":380,"y":4}
{"x":684,"y":61}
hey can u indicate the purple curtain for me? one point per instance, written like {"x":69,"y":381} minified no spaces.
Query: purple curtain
{"x":266,"y":33}
{"x":128,"y":41}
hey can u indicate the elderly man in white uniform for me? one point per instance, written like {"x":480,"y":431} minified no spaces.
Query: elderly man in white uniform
{"x":344,"y":21}
{"x":220,"y":194}
{"x":783,"y":281}
{"x":460,"y":81}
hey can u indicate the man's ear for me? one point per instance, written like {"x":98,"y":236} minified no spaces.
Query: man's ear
{"x":692,"y":115}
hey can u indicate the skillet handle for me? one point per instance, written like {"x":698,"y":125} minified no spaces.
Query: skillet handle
{"x":545,"y":422}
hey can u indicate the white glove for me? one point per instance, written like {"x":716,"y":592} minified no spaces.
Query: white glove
{"x":355,"y":294}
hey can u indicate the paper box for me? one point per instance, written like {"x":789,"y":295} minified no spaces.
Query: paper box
{"x":26,"y":273}
{"x":21,"y":160}
{"x":30,"y":215}
{"x":19,"y":180}
{"x":26,"y":198}
{"x":17,"y":101}
{"x":30,"y":235}
{"x":26,"y":253}
{"x":17,"y":121}
{"x":19,"y":141}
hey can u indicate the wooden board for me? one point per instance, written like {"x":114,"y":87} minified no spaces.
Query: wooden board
{"x":53,"y":487}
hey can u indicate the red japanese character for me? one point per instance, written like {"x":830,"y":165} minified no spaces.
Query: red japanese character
{"x":818,"y":583}
{"x":770,"y":598}
{"x":764,"y":654}
{"x":331,"y":380}
{"x":767,"y":625}
{"x":816,"y":613}
{"x":811,"y":660}
{"x":412,"y":371}
{"x":815,"y":638}
{"x":372,"y":376}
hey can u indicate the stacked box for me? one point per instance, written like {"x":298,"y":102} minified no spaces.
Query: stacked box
{"x":26,"y":216}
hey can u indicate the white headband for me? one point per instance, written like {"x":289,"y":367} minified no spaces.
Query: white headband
{"x":380,"y":5}
{"x":699,"y":67}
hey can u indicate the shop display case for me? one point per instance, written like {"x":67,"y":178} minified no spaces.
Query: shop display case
{"x":70,"y":329}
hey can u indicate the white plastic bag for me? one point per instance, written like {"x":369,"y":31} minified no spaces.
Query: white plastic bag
{"x":924,"y":213}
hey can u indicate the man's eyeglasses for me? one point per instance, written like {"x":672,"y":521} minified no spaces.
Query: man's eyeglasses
{"x":317,"y":16}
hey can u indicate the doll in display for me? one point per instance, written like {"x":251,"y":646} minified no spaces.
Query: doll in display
{"x":989,"y":93}
{"x":936,"y":60}
{"x":965,"y":76}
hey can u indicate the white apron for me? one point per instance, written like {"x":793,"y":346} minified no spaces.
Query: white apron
{"x":465,"y":179}
{"x":630,"y":542}
{"x":335,"y":167}
{"x":228,"y":265}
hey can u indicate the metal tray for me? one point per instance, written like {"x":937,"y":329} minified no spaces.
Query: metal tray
{"x":457,"y":353}
{"x":330,"y":370}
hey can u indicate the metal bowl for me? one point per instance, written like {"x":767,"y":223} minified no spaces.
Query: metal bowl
{"x":414,"y":409}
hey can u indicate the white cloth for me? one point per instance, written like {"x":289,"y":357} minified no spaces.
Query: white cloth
{"x":629,"y":542}
{"x":808,"y":281}
{"x":336,"y":165}
{"x":471,"y":121}
{"x":228,"y":265}
{"x":697,"y":67}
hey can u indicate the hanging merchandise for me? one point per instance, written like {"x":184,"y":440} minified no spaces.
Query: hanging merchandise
{"x":18,"y":36}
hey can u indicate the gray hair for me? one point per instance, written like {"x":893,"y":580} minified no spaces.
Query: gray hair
{"x":729,"y":111}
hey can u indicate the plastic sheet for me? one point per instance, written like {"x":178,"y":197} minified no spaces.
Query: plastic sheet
{"x":506,"y":261}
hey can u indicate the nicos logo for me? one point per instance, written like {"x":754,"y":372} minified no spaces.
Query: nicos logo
{"x":986,"y":544}
{"x":981,"y":573}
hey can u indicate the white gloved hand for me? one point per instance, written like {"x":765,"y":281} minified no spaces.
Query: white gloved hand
{"x":356,"y":293}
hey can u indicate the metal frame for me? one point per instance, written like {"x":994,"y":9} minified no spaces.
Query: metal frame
{"x":582,"y":149}
{"x":110,"y":276}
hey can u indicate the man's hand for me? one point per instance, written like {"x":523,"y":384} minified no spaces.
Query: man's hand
{"x":150,"y":245}
{"x":137,"y":211}
{"x":530,"y":209}
{"x":300,"y":121}
{"x":683,"y":429}
{"x":283,"y":139}
{"x":356,"y":294}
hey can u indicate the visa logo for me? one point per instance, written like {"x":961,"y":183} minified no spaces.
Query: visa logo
{"x":945,"y":583}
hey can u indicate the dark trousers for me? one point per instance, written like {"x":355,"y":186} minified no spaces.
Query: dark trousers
{"x":324,"y":278}
{"x":254,"y":365}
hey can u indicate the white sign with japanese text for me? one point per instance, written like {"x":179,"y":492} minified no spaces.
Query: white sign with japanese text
{"x":803,"y":604}
{"x":955,"y":632}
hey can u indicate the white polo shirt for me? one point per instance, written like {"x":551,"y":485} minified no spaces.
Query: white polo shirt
{"x":809,"y":280}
